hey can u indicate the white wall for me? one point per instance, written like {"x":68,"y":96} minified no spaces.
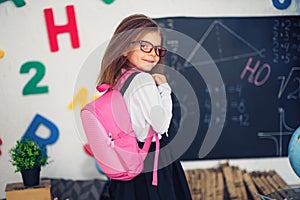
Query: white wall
{"x":24,"y":38}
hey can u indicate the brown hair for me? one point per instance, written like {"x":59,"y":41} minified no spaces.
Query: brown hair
{"x":129,"y":30}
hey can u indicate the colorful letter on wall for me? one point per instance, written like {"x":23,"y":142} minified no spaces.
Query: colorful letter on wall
{"x":0,"y":145}
{"x":1,"y":53}
{"x":108,"y":1}
{"x":33,"y":127}
{"x":54,"y":30}
{"x":18,"y":3}
{"x":281,"y":5}
{"x":81,"y":98}
{"x":32,"y":86}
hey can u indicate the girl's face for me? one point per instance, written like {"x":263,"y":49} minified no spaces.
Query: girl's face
{"x":140,"y":59}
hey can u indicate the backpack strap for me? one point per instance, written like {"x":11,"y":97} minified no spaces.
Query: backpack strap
{"x":155,"y":165}
{"x":151,"y":134}
{"x":127,"y":82}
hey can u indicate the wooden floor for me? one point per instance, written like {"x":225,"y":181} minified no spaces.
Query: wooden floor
{"x":231,"y":183}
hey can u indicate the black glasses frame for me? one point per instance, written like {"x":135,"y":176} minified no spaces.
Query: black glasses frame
{"x":159,"y":50}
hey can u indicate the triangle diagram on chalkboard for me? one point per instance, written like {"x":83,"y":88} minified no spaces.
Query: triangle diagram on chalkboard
{"x":224,"y":44}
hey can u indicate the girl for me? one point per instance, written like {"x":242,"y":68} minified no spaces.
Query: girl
{"x":137,"y":45}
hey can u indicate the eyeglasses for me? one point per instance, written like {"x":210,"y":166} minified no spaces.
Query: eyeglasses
{"x":147,"y":48}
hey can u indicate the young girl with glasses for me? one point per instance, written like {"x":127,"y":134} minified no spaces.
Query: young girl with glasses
{"x":137,"y":45}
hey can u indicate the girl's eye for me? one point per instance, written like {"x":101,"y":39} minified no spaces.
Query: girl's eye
{"x":144,"y":46}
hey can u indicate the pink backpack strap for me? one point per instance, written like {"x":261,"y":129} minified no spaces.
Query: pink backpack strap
{"x":122,"y":86}
{"x":145,"y":149}
{"x":157,"y":146}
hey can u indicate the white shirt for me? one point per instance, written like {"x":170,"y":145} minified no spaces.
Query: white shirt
{"x":148,"y":104}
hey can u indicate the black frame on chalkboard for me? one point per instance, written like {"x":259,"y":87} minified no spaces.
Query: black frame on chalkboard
{"x":259,"y":62}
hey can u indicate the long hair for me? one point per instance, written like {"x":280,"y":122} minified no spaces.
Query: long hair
{"x":129,"y":30}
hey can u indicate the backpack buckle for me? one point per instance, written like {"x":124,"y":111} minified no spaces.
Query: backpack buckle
{"x":110,"y":140}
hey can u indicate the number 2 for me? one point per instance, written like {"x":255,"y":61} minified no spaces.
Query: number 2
{"x":32,"y":86}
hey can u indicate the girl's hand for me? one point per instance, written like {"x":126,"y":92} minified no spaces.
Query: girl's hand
{"x":159,"y":78}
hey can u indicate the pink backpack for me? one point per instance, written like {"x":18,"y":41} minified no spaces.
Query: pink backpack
{"x":111,"y":139}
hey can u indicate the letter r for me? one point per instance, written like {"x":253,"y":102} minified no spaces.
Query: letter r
{"x":31,"y":131}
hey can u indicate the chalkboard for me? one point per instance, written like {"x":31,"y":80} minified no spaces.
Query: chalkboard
{"x":259,"y":61}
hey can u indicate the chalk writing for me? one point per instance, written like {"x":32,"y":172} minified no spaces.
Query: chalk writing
{"x":295,"y":93}
{"x":286,"y":41}
{"x":255,"y":78}
{"x":221,"y":29}
{"x":277,"y":137}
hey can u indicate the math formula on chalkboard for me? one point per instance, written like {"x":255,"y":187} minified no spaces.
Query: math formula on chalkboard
{"x":258,"y":59}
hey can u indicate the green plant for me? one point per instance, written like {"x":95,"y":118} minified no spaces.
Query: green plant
{"x":27,"y":154}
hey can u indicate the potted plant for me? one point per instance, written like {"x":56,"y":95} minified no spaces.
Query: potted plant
{"x":27,"y":156}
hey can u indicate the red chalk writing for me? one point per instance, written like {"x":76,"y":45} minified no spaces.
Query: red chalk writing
{"x":258,"y":74}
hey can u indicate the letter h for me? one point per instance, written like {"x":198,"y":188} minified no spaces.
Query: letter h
{"x":54,"y":30}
